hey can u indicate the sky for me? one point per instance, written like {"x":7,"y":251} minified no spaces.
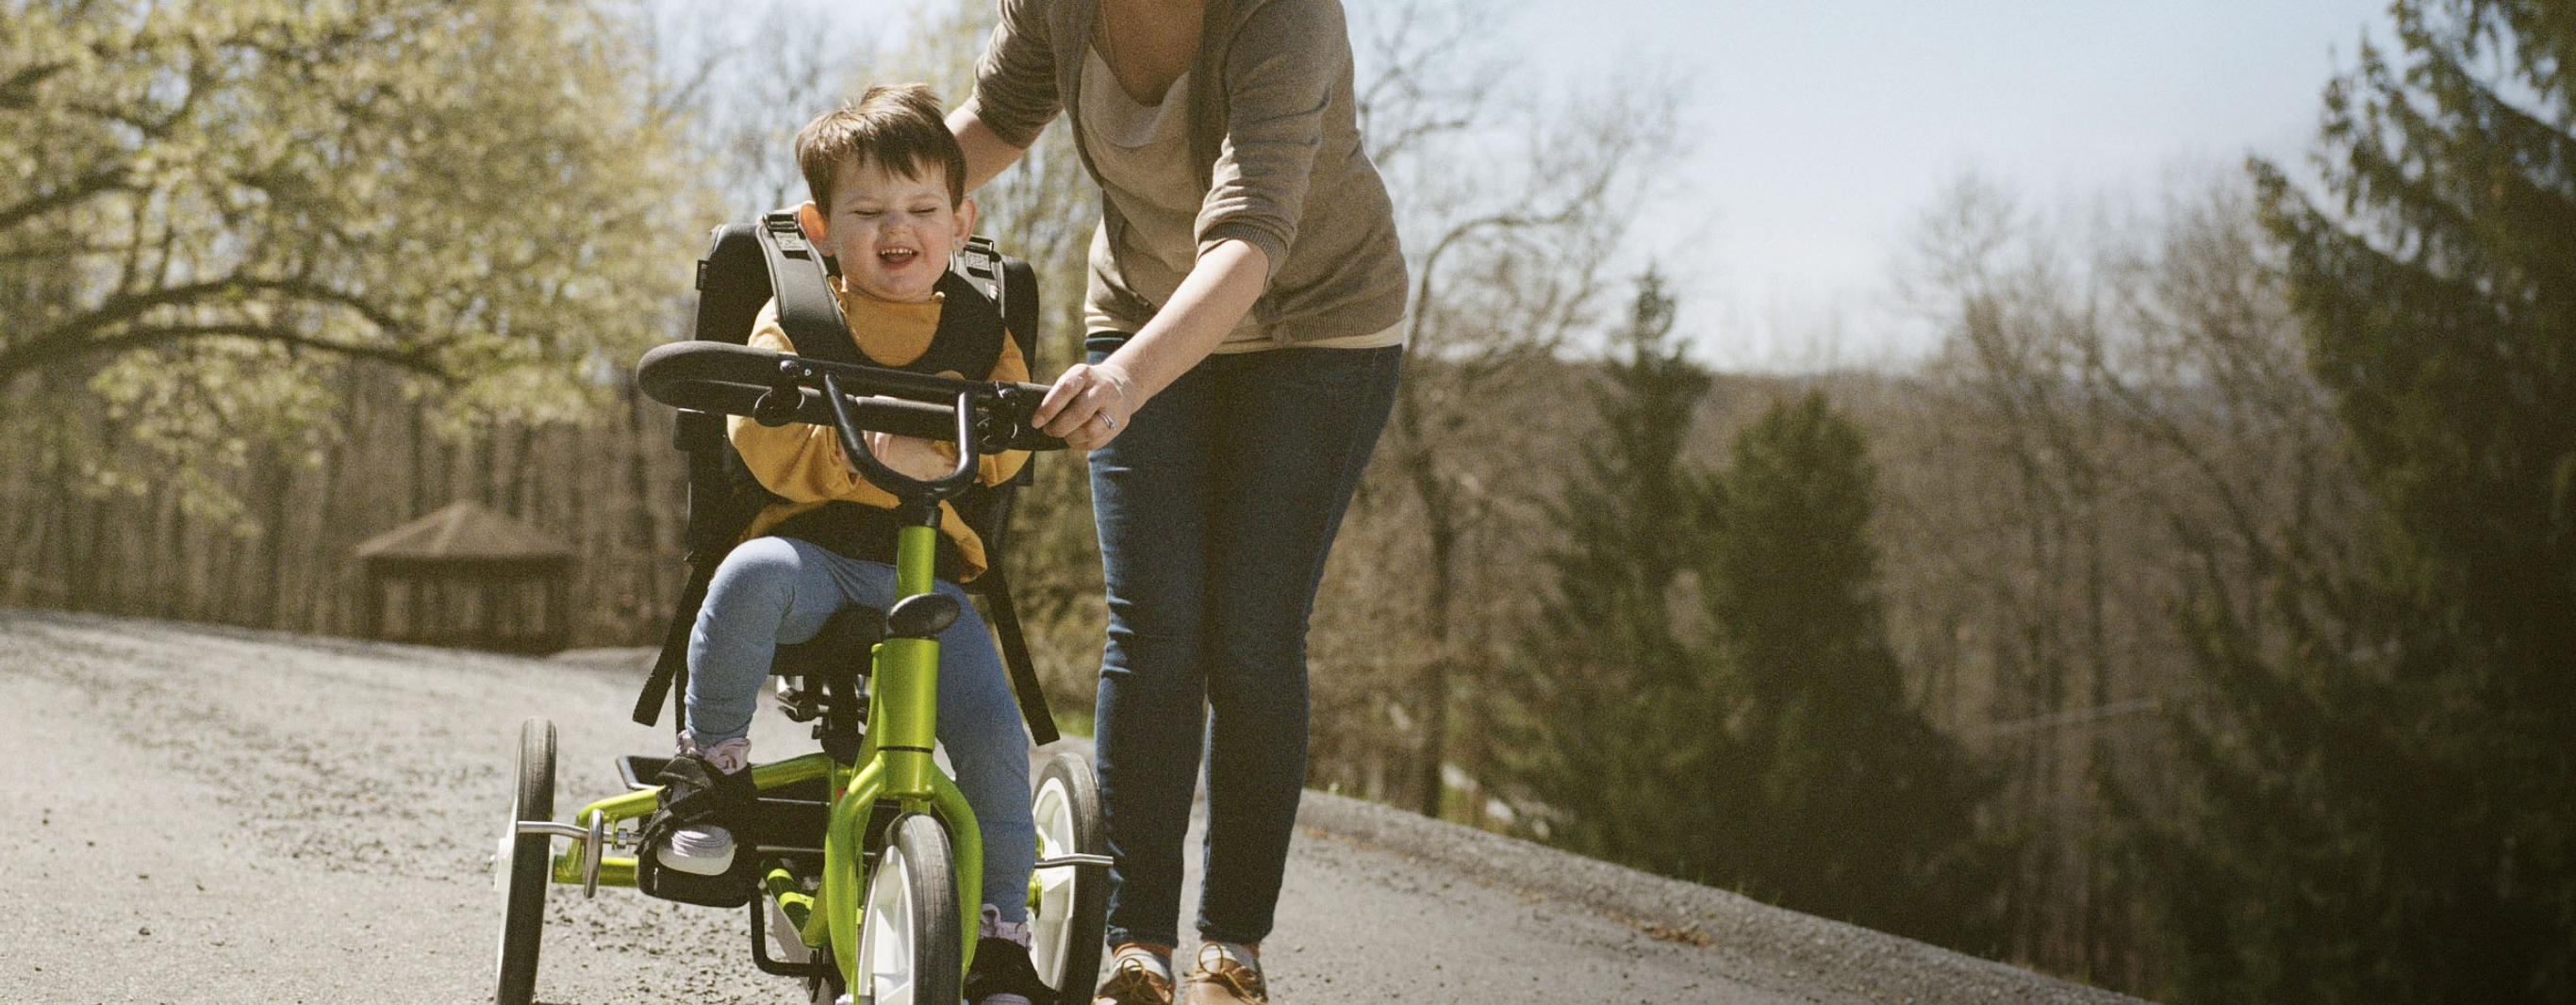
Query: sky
{"x":1825,"y":130}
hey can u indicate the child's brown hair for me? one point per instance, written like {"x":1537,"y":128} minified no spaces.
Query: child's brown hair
{"x":896,"y":127}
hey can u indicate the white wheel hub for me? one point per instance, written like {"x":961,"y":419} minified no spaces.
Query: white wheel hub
{"x":886,"y":935}
{"x":1052,"y":920}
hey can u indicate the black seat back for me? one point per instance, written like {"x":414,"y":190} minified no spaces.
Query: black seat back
{"x":745,"y":266}
{"x":735,"y":279}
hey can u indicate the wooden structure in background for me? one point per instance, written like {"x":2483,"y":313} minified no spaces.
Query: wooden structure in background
{"x":467,"y":576}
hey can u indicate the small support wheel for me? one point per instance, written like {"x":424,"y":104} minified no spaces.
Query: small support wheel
{"x":529,"y":861}
{"x":1068,"y":905}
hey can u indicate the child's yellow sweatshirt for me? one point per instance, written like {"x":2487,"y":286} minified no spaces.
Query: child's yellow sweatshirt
{"x":802,"y":462}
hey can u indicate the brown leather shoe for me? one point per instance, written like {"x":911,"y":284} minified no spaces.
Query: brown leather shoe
{"x":1226,"y":978}
{"x":1131,"y":982}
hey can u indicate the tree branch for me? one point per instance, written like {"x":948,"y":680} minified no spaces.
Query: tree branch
{"x":19,"y":91}
{"x":99,"y":182}
{"x":24,"y":357}
{"x":124,"y":307}
{"x":74,"y":337}
{"x":54,"y":251}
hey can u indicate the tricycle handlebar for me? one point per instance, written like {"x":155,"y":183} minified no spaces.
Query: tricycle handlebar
{"x":775,"y":388}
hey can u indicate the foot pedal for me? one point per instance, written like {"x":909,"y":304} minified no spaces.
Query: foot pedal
{"x":800,"y":703}
{"x":637,"y":770}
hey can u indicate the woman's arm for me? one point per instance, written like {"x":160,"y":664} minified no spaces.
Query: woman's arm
{"x":1286,"y":64}
{"x":987,"y":153}
{"x":1014,"y":96}
{"x":1212,"y":299}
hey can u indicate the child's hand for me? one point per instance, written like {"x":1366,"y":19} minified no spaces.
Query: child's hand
{"x":910,"y":456}
{"x":913,"y":456}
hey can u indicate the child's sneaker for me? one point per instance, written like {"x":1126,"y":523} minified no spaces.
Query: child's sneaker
{"x":1227,"y":974}
{"x":1137,"y":976}
{"x":703,"y":789}
{"x":1002,"y":973}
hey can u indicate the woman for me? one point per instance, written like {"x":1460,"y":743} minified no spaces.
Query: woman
{"x":1245,"y":302}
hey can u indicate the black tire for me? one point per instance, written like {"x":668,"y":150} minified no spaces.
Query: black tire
{"x":1071,"y":912}
{"x":910,"y":948}
{"x":530,"y":861}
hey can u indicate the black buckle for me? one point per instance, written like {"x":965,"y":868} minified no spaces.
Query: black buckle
{"x":789,"y":235}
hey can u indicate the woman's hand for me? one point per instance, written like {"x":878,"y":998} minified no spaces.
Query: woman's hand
{"x":1091,"y":403}
{"x":1088,"y":406}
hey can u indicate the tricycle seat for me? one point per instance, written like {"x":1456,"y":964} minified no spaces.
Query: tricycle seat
{"x":841,"y":647}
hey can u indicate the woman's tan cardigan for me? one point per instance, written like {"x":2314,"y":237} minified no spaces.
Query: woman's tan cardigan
{"x":1277,"y":147}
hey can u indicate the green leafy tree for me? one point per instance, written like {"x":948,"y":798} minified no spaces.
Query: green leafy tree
{"x":1852,"y":806}
{"x":2381,"y":795}
{"x":1611,"y":725}
{"x":208,"y":205}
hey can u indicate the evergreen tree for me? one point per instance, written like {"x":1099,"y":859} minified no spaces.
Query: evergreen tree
{"x":2379,"y":803}
{"x":1710,"y":694}
{"x":1609,"y":723}
{"x":1857,"y":809}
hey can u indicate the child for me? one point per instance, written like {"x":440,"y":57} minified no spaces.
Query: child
{"x":889,"y":203}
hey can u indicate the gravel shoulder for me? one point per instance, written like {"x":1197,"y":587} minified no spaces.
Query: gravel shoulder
{"x":211,"y":815}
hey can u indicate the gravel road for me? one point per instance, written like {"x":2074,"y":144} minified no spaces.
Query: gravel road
{"x":207,"y":815}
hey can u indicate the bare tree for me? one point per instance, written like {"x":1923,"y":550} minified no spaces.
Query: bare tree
{"x":1514,"y":207}
{"x":2116,"y":413}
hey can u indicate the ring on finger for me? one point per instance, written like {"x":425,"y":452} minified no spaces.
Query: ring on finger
{"x":1105,"y":421}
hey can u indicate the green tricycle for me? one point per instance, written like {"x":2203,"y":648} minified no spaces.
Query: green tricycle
{"x":857,"y":853}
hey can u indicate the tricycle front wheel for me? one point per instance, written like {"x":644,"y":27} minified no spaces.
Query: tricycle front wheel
{"x":910,"y":948}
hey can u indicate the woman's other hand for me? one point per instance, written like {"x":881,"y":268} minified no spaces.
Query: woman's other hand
{"x":1088,"y":406}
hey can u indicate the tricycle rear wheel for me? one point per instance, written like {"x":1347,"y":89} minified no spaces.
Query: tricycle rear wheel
{"x":1070,"y":907}
{"x":530,"y":860}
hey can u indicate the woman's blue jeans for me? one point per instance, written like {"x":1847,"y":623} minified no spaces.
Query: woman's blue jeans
{"x":1216,"y":509}
{"x":773,"y":590}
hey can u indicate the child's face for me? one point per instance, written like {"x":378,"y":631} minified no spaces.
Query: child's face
{"x":892,"y":233}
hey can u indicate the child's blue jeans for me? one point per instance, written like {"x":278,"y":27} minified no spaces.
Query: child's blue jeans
{"x":774,"y":590}
{"x":1216,"y":509}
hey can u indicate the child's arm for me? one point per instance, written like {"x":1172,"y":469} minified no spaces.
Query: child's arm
{"x":801,"y":462}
